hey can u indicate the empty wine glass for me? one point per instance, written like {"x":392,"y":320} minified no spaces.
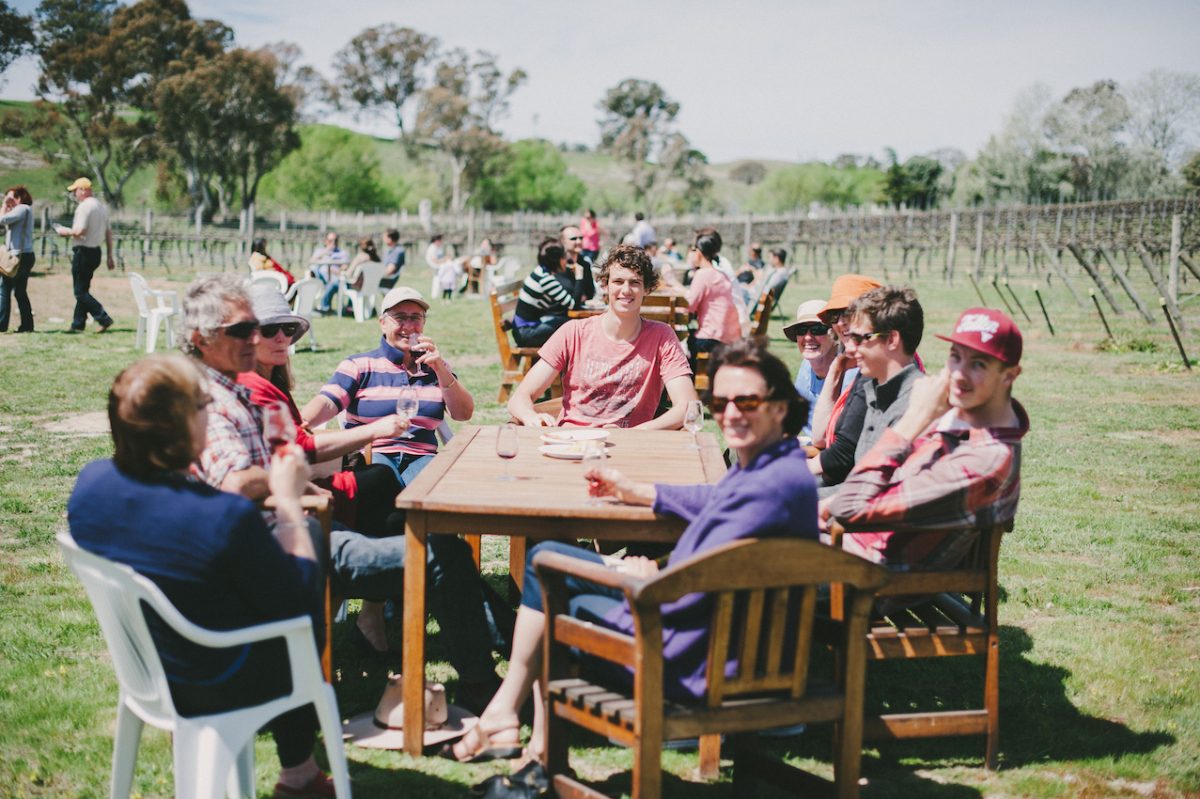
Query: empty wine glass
{"x":279,"y":428}
{"x":693,"y":420}
{"x":407,"y":406}
{"x":506,"y":447}
{"x":593,"y":458}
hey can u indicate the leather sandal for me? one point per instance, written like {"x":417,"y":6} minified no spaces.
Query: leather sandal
{"x":486,"y":749}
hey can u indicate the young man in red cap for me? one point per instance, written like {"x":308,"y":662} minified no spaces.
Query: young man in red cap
{"x":951,"y":462}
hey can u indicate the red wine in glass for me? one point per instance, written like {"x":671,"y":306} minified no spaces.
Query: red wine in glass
{"x":278,"y":425}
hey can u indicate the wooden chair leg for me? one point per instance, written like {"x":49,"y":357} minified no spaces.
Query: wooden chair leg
{"x":516,"y":566}
{"x":991,"y":702}
{"x":647,"y":767}
{"x":710,"y":756}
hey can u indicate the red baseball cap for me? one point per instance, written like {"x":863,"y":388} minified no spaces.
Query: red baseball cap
{"x":988,"y":331}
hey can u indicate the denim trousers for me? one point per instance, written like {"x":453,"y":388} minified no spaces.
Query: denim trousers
{"x":373,"y":569}
{"x":539,"y":334}
{"x":84,"y":263}
{"x":17,"y":286}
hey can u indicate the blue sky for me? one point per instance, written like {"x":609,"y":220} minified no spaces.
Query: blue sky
{"x":771,"y":79}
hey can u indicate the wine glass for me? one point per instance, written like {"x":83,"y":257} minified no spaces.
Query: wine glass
{"x":506,"y":447}
{"x":279,"y":428}
{"x":414,"y":346}
{"x":693,"y":420}
{"x":593,"y":458}
{"x":407,"y":406}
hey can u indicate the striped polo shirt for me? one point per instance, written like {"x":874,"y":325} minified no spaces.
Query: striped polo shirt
{"x":366,"y":386}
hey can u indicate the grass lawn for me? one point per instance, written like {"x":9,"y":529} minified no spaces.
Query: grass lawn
{"x":1100,"y":648}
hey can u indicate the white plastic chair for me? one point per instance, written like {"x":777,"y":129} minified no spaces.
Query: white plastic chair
{"x":502,"y":271}
{"x":364,"y":298}
{"x":268,"y":276}
{"x":165,"y":308}
{"x":213,"y":754}
{"x":302,"y":295}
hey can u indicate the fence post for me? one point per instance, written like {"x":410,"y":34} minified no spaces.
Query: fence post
{"x":283,"y":221}
{"x":951,"y":246}
{"x":199,"y":220}
{"x":1173,"y":269}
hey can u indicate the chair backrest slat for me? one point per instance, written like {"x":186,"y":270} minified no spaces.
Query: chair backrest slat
{"x":718,"y":646}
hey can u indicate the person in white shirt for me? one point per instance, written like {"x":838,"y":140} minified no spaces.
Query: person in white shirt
{"x":88,"y":229}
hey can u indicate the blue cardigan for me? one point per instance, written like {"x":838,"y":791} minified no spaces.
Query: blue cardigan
{"x":774,"y":496}
{"x":210,"y":552}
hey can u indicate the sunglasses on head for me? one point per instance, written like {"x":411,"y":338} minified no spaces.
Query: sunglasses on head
{"x":242,"y":330}
{"x":744,"y":402}
{"x":271,"y":331}
{"x":814,"y":329}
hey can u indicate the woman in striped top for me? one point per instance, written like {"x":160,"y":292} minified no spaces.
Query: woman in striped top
{"x":548,"y":294}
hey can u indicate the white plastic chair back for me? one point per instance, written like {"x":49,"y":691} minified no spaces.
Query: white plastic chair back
{"x":269,"y":276}
{"x":212,"y":753}
{"x":503,"y":271}
{"x":364,"y":298}
{"x":303,"y":295}
{"x":150,"y":317}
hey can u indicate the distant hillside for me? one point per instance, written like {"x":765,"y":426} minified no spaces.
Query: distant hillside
{"x":410,"y":181}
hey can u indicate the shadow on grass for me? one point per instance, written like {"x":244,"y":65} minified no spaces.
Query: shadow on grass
{"x":1038,"y":722}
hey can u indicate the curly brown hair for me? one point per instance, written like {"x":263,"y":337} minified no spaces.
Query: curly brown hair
{"x":633,"y":258}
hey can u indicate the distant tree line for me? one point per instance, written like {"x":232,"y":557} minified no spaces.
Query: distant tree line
{"x":127,"y":88}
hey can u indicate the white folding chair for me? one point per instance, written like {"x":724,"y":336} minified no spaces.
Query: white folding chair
{"x":213,"y":754}
{"x":268,"y":276}
{"x":365,"y":296}
{"x":166,"y":307}
{"x":302,"y":295}
{"x":502,"y":271}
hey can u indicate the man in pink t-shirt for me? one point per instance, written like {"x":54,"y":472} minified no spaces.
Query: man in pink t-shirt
{"x":615,"y":365}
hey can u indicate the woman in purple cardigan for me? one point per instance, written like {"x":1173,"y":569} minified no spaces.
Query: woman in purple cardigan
{"x":768,"y":492}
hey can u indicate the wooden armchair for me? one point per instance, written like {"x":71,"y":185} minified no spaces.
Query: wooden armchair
{"x":959,"y":617}
{"x":514,"y":361}
{"x":764,"y":593}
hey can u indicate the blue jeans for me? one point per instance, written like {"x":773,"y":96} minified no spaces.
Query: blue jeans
{"x":16,"y":285}
{"x":588,"y":601}
{"x":406,"y":467}
{"x":539,"y":334}
{"x":373,"y":569}
{"x":84,"y":263}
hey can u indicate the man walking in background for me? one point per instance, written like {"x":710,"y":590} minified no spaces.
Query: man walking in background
{"x":88,"y":229}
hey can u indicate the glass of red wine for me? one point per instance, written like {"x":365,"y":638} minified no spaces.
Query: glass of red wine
{"x":278,"y":426}
{"x":506,"y":447}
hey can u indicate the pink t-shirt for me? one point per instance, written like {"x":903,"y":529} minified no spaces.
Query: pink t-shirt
{"x":710,"y":297}
{"x":591,"y":234}
{"x":613,"y":382}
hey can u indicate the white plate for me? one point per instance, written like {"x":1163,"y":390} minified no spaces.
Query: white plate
{"x":563,"y":452}
{"x":572,"y":436}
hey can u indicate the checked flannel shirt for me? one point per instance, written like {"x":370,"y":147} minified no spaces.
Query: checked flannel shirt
{"x":235,"y":439}
{"x":916,"y":503}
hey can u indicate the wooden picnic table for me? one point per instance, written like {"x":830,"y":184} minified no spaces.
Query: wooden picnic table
{"x":461,"y":493}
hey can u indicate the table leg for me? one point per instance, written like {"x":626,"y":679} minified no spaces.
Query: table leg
{"x":516,"y":566}
{"x":414,"y":632}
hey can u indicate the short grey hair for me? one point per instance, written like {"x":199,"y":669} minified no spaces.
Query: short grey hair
{"x":205,"y":305}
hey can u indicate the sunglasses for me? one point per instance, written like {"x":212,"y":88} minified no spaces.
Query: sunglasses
{"x":814,"y":329}
{"x":859,"y":338}
{"x":745,"y":403}
{"x":271,"y":331}
{"x":574,"y":238}
{"x":242,"y":330}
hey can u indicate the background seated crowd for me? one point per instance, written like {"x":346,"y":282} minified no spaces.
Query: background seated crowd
{"x":903,"y":460}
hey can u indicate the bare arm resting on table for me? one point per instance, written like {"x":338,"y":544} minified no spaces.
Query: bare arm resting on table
{"x":681,"y":391}
{"x":534,"y":384}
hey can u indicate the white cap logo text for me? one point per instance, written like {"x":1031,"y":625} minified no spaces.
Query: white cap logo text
{"x":979,"y":323}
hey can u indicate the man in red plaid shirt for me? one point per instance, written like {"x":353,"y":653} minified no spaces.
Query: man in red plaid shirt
{"x":951,"y":463}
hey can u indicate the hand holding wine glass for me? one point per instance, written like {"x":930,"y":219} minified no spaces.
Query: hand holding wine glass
{"x":693,"y":420}
{"x":279,"y":428}
{"x":593,"y":458}
{"x":407,"y":406}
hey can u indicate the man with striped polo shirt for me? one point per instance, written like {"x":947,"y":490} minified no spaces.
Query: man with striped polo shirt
{"x":367,"y":385}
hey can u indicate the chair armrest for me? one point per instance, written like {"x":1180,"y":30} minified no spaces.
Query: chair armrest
{"x":586,"y":570}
